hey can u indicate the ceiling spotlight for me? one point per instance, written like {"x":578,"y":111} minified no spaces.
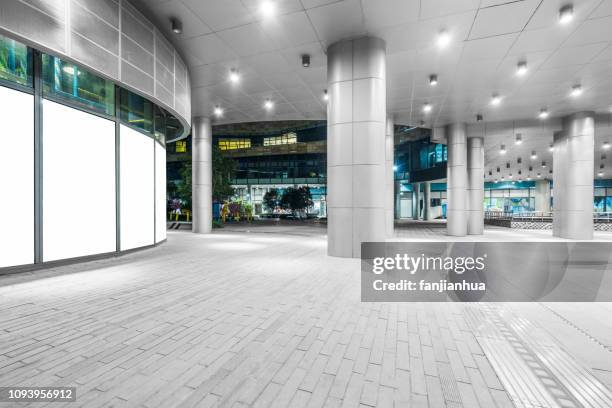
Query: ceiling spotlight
{"x":177,"y":26}
{"x":496,"y":181}
{"x":543,"y":163}
{"x":534,"y":155}
{"x":234,"y":76}
{"x":576,"y":90}
{"x":543,"y":113}
{"x":305,"y":60}
{"x":218,"y":111}
{"x":539,"y":175}
{"x":498,"y":169}
{"x":502,"y":149}
{"x":510,"y":176}
{"x":268,"y":104}
{"x":508,"y":165}
{"x":325,"y":95}
{"x":528,"y":178}
{"x":521,"y":68}
{"x":520,"y":172}
{"x":427,"y":107}
{"x":530,"y":168}
{"x":603,"y":157}
{"x":606,"y":145}
{"x":433,"y":80}
{"x":490,"y":173}
{"x":502,"y":178}
{"x":495,"y":100}
{"x":478,"y":117}
{"x":443,"y":38}
{"x":267,"y":8}
{"x":519,"y":139}
{"x":566,"y":14}
{"x":601,"y":170}
{"x":551,"y":147}
{"x":519,"y":160}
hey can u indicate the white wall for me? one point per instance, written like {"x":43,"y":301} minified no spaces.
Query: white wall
{"x":137,"y":189}
{"x":78,"y":183}
{"x":160,"y":193}
{"x":16,"y":178}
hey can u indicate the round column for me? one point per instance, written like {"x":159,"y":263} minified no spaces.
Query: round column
{"x":573,"y":173}
{"x":542,"y":196}
{"x":389,"y":176}
{"x":456,"y":180}
{"x":356,"y":117}
{"x":475,"y":169}
{"x":416,"y":201}
{"x":201,"y":162}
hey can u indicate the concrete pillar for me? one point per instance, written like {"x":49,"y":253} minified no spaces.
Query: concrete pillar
{"x":201,"y":167}
{"x":456,"y":180}
{"x":416,"y":200}
{"x":427,"y":201}
{"x":389,"y":176}
{"x":475,"y":193}
{"x":356,"y":117}
{"x":542,"y":196}
{"x":573,"y":173}
{"x":398,"y":200}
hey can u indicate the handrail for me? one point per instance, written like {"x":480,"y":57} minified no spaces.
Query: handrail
{"x":538,"y":216}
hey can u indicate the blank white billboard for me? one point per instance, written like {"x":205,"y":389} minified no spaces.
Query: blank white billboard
{"x":160,"y":193}
{"x":79,"y":212}
{"x":137,"y":186}
{"x":16,"y":178}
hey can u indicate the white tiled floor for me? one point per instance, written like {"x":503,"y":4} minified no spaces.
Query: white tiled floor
{"x":265,"y":318}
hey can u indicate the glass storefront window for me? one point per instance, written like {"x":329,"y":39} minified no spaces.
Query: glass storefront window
{"x":233,"y":144}
{"x":136,"y":111}
{"x":15,"y":62}
{"x":287,"y":138}
{"x":68,"y":82}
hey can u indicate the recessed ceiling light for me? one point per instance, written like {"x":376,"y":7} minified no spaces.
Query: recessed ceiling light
{"x":443,"y":39}
{"x":234,"y":76}
{"x":427,"y":107}
{"x":325,"y":95}
{"x":502,"y":178}
{"x":218,"y":111}
{"x":305,"y":60}
{"x":534,"y":155}
{"x":519,"y":139}
{"x":502,"y":149}
{"x":551,"y":147}
{"x":576,"y":90}
{"x":177,"y":26}
{"x":539,"y":175}
{"x":510,"y":176}
{"x":601,"y":170}
{"x":478,"y":117}
{"x":495,"y":100}
{"x":268,"y":104}
{"x":267,"y":8}
{"x":606,"y":145}
{"x":566,"y":14}
{"x":521,"y":68}
{"x":543,"y":113}
{"x":543,"y":163}
{"x":433,"y":80}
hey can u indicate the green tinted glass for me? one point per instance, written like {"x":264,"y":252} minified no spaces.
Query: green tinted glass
{"x":15,"y":62}
{"x":66,"y":81}
{"x":136,"y":111}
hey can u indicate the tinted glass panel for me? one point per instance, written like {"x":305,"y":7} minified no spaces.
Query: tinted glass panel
{"x":136,"y":111}
{"x":15,"y":62}
{"x":77,"y":86}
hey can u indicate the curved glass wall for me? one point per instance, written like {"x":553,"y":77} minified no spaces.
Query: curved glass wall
{"x":83,"y":135}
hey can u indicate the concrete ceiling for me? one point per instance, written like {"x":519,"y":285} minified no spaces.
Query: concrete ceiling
{"x":489,"y":38}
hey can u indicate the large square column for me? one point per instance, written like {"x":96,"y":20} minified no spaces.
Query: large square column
{"x":356,"y":116}
{"x":456,"y":180}
{"x":201,"y":167}
{"x":475,"y":192}
{"x":573,"y":160}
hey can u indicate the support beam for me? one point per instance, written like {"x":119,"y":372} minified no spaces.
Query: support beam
{"x":356,"y":119}
{"x":416,"y":201}
{"x":427,"y":201}
{"x":201,"y":160}
{"x":573,"y":173}
{"x":475,"y":193}
{"x":389,"y":176}
{"x":456,"y":179}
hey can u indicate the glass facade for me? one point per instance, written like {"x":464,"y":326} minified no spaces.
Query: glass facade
{"x":15,"y":62}
{"x":74,"y":85}
{"x":234,"y":144}
{"x":136,"y":111}
{"x":287,"y":138}
{"x":416,"y":157}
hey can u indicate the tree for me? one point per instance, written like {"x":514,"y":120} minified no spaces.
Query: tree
{"x":224,"y":170}
{"x":271,"y":200}
{"x":296,"y":199}
{"x":183,"y":189}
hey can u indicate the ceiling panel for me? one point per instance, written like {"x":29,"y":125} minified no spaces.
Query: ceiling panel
{"x":503,"y":19}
